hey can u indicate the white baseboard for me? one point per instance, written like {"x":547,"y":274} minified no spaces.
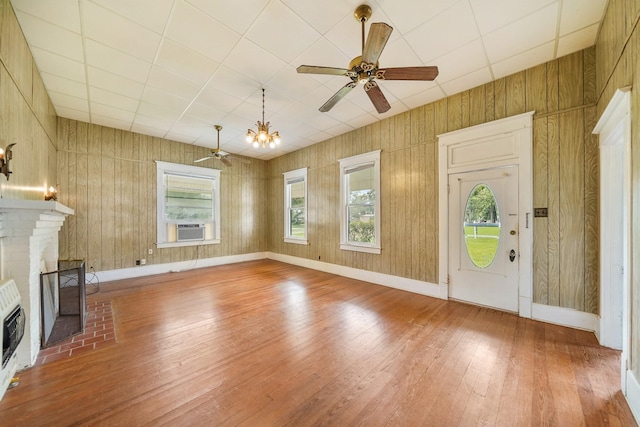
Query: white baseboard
{"x":402,"y":283}
{"x":565,"y":317}
{"x":148,"y":270}
{"x":633,"y":395}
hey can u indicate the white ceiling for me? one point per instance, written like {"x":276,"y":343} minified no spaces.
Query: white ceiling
{"x":173,"y":68}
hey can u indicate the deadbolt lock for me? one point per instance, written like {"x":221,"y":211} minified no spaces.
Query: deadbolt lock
{"x":512,"y":232}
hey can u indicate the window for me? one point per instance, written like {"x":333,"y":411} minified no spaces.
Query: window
{"x":188,"y":205}
{"x":295,"y":206}
{"x":360,"y":199}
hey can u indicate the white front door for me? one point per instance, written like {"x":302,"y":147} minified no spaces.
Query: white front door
{"x":483,"y":237}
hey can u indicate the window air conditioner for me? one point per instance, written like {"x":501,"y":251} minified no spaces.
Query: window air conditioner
{"x":189,"y":232}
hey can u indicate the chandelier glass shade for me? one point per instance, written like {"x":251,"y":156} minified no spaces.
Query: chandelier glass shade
{"x":263,"y":138}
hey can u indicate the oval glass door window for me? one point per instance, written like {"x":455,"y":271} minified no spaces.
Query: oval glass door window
{"x":481,"y":226}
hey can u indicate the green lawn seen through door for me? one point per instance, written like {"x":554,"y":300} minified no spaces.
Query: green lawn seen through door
{"x":482,"y":244}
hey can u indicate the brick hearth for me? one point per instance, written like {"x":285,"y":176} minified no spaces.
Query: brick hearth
{"x":98,"y":332}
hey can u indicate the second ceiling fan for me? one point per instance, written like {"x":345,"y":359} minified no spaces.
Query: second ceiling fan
{"x":364,"y":69}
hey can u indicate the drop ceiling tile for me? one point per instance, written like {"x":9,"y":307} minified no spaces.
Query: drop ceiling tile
{"x":204,"y":112}
{"x":113,"y":61}
{"x":165,"y":100}
{"x":254,"y":62}
{"x":281,"y":32}
{"x":233,"y":83}
{"x":110,"y":122}
{"x":61,"y":84}
{"x":528,"y":59}
{"x":152,"y":14}
{"x":290,"y":82}
{"x":491,"y":15}
{"x":424,"y":97}
{"x":114,"y":83}
{"x":63,"y":13}
{"x":453,"y":28}
{"x":363,"y":120}
{"x":403,"y":89}
{"x":524,"y":34}
{"x":67,"y":101}
{"x":578,"y":14}
{"x":577,"y":40}
{"x":398,"y":53}
{"x":477,"y":78}
{"x":112,"y":99}
{"x":346,"y":111}
{"x":185,"y":62}
{"x":130,"y":37}
{"x":172,"y":83}
{"x":150,"y":130}
{"x":70,"y":113}
{"x":405,"y":22}
{"x":52,"y":63}
{"x":157,"y":111}
{"x":161,"y":121}
{"x":52,"y":38}
{"x":228,"y":12}
{"x":112,"y":112}
{"x":464,"y":60}
{"x":191,"y":28}
{"x":322,"y":16}
{"x":218,"y":100}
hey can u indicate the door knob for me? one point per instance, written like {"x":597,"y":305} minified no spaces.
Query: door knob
{"x":512,"y":255}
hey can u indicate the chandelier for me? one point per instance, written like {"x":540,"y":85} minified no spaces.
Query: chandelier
{"x":263,"y":137}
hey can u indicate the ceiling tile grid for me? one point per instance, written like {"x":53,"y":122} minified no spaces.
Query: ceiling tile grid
{"x":174,"y":68}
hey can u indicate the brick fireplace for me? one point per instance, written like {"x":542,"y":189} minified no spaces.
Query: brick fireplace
{"x":28,"y":238}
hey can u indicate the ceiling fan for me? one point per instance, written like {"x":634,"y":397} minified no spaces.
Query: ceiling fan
{"x":364,"y":69}
{"x":223,"y":156}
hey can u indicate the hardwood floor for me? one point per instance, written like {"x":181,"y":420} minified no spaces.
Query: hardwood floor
{"x":269,"y":344}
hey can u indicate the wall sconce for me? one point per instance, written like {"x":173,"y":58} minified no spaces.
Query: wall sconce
{"x":5,"y":156}
{"x":51,"y":194}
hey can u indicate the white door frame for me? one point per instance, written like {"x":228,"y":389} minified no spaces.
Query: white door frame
{"x":614,"y":128}
{"x":503,"y":142}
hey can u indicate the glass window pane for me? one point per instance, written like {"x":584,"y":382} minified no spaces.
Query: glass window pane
{"x":361,"y":223}
{"x":481,"y":226}
{"x":188,"y":198}
{"x":296,"y":222}
{"x":296,"y":192}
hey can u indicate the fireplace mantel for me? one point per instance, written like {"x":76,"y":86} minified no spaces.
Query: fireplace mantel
{"x":28,"y":237}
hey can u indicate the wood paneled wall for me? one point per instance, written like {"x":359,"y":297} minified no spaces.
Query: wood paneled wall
{"x":618,"y":53}
{"x":109,"y":177}
{"x":563,"y":94}
{"x":27,"y":116}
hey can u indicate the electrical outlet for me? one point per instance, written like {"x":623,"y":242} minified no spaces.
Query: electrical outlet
{"x":143,"y":261}
{"x":150,"y":251}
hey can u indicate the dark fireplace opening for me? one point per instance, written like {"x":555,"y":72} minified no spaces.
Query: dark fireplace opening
{"x":12,"y":333}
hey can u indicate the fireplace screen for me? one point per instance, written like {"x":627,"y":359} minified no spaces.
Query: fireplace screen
{"x":63,"y":300}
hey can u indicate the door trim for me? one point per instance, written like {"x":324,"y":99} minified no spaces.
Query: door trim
{"x":507,"y":141}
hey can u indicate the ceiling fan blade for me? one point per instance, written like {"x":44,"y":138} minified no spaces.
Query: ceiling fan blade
{"x":377,"y":97}
{"x":337,"y":97}
{"x":408,"y":73}
{"x":225,"y":161}
{"x":203,"y":159}
{"x":313,"y":69}
{"x":379,"y":33}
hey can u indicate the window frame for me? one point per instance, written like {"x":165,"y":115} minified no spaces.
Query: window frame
{"x":294,"y":175}
{"x":346,"y":165}
{"x":164,"y":168}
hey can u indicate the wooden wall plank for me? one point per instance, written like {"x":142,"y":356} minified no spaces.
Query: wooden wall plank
{"x":515,"y":93}
{"x":570,"y":81}
{"x":540,"y":225}
{"x":553,"y":223}
{"x":572,"y":206}
{"x":591,"y":213}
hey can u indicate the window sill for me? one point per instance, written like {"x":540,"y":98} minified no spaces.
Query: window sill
{"x":296,"y":241}
{"x":189,"y":243}
{"x":358,"y":248}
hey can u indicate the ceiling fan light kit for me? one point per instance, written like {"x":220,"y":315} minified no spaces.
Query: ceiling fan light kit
{"x":263,"y":137}
{"x":364,"y":69}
